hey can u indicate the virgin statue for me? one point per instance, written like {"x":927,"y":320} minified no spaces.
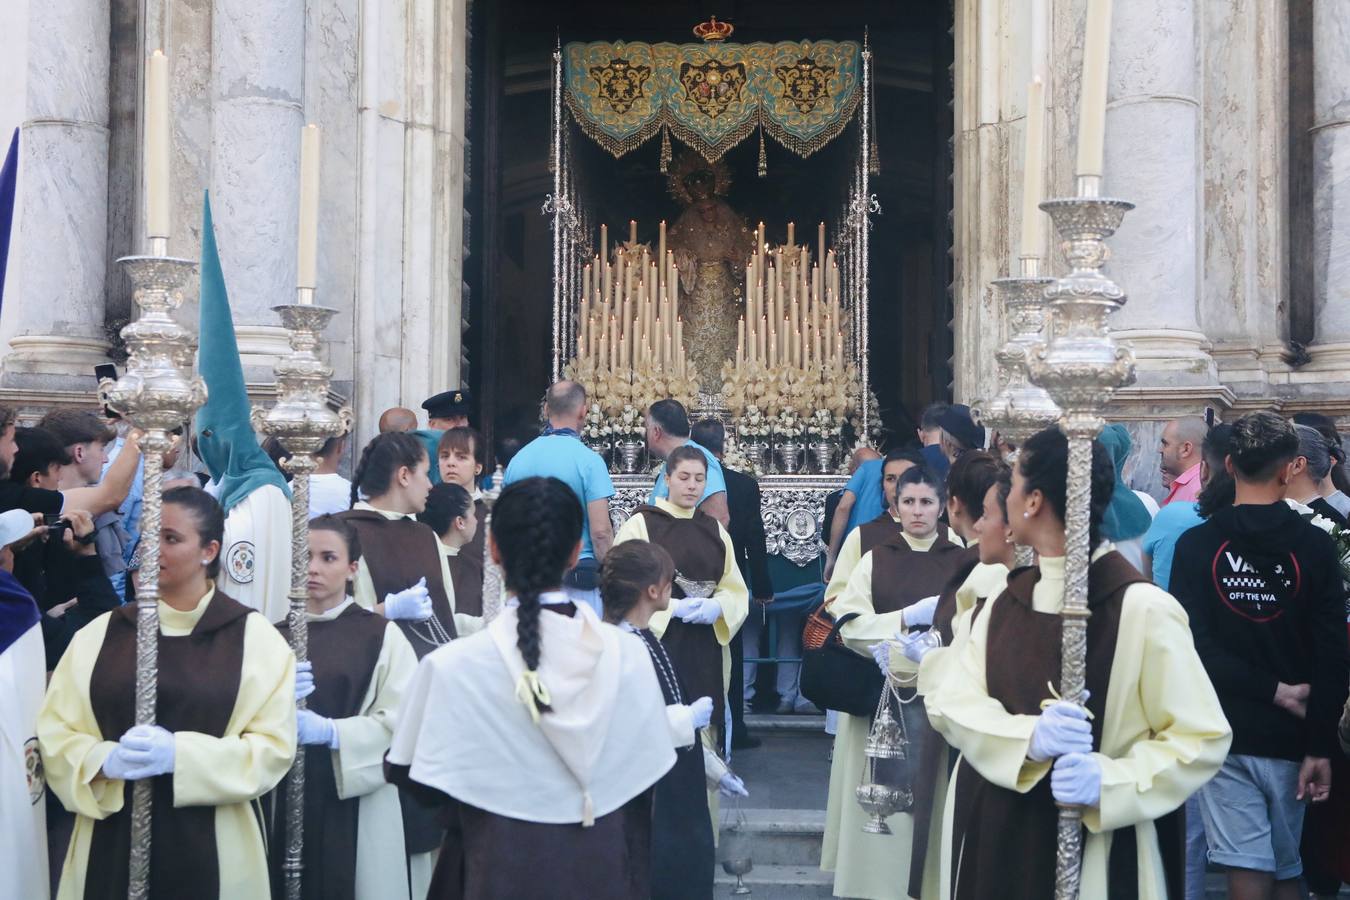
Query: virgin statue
{"x":711,"y":244}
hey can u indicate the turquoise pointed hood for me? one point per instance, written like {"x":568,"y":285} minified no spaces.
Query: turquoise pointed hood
{"x":225,"y":438}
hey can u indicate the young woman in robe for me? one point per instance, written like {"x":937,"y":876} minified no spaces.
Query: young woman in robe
{"x":1156,"y":732}
{"x":450,"y":513}
{"x":541,"y":735}
{"x":358,"y":669}
{"x":635,"y":584}
{"x":893,"y":589}
{"x":460,"y":458}
{"x":225,"y":731}
{"x":712,"y":599}
{"x":973,"y":485}
{"x":403,"y":575}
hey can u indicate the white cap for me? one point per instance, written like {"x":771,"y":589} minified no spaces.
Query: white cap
{"x":14,"y":524}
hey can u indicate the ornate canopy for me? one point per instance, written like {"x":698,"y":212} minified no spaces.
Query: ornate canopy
{"x":712,"y":96}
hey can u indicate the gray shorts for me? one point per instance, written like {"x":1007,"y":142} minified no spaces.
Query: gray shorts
{"x":1252,"y":819}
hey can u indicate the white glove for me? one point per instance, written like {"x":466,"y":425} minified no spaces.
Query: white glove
{"x":917,"y":615}
{"x":143,"y":752}
{"x":700,"y":711}
{"x":1062,"y":728}
{"x":304,"y":680}
{"x":698,"y":610}
{"x":315,"y":729}
{"x":731,"y":785}
{"x":1077,"y":779}
{"x":410,"y":603}
{"x":881,"y":652}
{"x":916,"y":646}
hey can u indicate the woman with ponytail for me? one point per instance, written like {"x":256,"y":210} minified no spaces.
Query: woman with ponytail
{"x":542,"y":734}
{"x":1149,"y":731}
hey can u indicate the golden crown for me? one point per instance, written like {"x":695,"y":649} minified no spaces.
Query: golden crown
{"x":713,"y":30}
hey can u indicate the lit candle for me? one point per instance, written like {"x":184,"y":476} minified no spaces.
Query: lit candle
{"x":632,"y":231}
{"x":604,"y":244}
{"x":740,"y":341}
{"x":761,"y":338}
{"x":661,"y":248}
{"x":759,"y":238}
{"x":792,"y":233}
{"x":1033,"y":179}
{"x":1092,"y":101}
{"x":609,"y":279}
{"x":308,"y":249}
{"x":820,"y":241}
{"x":157,"y":145}
{"x":815,"y":346}
{"x":839,"y":348}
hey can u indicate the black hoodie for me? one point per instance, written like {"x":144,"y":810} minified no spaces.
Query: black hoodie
{"x":1263,"y":590}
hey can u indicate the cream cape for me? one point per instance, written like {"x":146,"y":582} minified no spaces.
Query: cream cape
{"x":464,"y":731}
{"x":23,"y":806}
{"x":255,"y":557}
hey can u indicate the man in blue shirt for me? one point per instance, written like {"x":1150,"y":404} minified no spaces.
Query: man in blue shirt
{"x":559,"y":453}
{"x":668,"y":428}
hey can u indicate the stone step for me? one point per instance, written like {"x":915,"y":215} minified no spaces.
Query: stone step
{"x":778,"y":883}
{"x":783,"y":837}
{"x":771,"y":722}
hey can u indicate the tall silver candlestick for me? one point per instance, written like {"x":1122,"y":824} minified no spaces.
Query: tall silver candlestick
{"x":1080,"y":367}
{"x":492,"y":573}
{"x":158,"y":393}
{"x":302,"y":421}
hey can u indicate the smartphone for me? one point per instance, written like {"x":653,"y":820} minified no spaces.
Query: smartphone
{"x":107,"y":370}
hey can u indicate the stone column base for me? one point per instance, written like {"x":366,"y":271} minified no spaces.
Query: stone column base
{"x":1170,"y":355}
{"x":34,"y":358}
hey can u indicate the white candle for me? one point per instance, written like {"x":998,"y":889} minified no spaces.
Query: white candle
{"x":1092,"y":102}
{"x":820,"y":241}
{"x":1033,"y":180}
{"x":157,"y":145}
{"x":661,"y":251}
{"x":604,"y":244}
{"x":308,"y":247}
{"x":792,"y":233}
{"x":632,"y":231}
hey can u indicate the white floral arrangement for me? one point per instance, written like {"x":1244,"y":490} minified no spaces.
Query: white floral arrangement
{"x":735,"y":459}
{"x":787,"y":425}
{"x":629,"y":425}
{"x":753,"y":425}
{"x":596,"y":429}
{"x":823,"y":426}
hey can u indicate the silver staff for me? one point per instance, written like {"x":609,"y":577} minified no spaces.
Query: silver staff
{"x":302,"y":421}
{"x":1081,"y":367}
{"x":158,"y":393}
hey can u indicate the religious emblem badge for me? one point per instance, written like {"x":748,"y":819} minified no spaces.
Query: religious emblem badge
{"x":459,"y":398}
{"x":239,"y":562}
{"x":619,"y":83}
{"x":805,"y":83}
{"x":713,"y":86}
{"x":37,"y":775}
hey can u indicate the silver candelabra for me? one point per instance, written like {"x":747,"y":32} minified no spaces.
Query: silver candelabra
{"x":158,"y":393}
{"x":1080,"y":367}
{"x":302,"y":421}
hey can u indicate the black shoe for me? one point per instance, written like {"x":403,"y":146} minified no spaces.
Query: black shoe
{"x":745,"y":742}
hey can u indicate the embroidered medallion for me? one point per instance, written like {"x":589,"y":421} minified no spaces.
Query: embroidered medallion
{"x":805,"y":83}
{"x":712,"y":86}
{"x":37,"y":776}
{"x":620,"y":83}
{"x":239,"y":562}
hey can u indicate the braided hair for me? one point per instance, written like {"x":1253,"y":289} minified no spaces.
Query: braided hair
{"x":536,"y":526}
{"x":381,"y":460}
{"x":629,"y":569}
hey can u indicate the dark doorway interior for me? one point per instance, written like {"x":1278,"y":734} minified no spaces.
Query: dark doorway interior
{"x":509,"y":268}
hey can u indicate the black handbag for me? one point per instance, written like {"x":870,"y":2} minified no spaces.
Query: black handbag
{"x":833,"y":676}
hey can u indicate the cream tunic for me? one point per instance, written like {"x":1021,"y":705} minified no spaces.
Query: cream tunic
{"x":865,"y":866}
{"x":358,"y":766}
{"x":1163,"y":737}
{"x":850,"y":554}
{"x":227,"y":772}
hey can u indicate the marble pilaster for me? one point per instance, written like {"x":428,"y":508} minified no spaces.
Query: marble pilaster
{"x":257,"y":71}
{"x":54,"y":309}
{"x":1331,"y":188}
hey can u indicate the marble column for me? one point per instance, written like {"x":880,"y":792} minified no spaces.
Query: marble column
{"x":1331,"y":186}
{"x":257,"y":54}
{"x":54,"y":302}
{"x":1152,"y":159}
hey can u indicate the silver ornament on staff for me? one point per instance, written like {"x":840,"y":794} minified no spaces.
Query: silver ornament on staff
{"x":492,"y":573}
{"x":157,"y":394}
{"x":1021,"y":408}
{"x":303,"y":422}
{"x":1080,"y":367}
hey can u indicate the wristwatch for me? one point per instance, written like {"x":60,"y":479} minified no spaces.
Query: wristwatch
{"x":88,"y":538}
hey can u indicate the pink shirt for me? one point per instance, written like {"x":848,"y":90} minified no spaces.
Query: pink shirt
{"x":1185,"y":486}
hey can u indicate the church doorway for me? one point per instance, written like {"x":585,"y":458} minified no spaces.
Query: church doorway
{"x":509,"y":269}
